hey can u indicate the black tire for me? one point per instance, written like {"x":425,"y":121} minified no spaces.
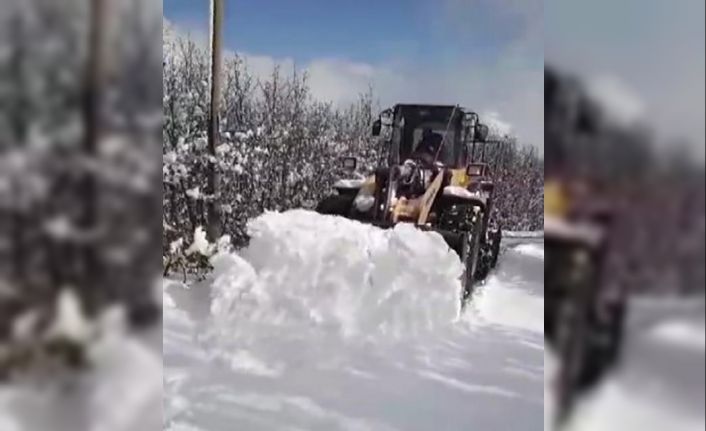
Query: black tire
{"x":496,"y":239}
{"x":339,"y":205}
{"x":488,"y":256}
{"x":483,"y":266}
{"x":573,"y":339}
{"x":470,"y":250}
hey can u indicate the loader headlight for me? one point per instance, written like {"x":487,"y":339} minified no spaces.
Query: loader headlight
{"x":474,"y":170}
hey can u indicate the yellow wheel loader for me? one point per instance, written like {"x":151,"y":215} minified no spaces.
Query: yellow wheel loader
{"x":583,"y":314}
{"x":432,"y":175}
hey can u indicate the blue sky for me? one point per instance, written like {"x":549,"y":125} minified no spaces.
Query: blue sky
{"x":362,"y":30}
{"x":484,"y":54}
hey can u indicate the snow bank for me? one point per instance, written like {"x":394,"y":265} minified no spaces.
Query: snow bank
{"x":523,"y":234}
{"x":303,"y":270}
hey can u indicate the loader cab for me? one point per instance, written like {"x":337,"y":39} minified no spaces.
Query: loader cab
{"x":416,"y":122}
{"x":402,"y":130}
{"x":584,"y":312}
{"x":404,"y":127}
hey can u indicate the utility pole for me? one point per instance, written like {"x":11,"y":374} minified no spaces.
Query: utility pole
{"x":214,"y":228}
{"x":92,"y":107}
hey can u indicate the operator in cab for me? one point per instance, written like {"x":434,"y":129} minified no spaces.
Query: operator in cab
{"x":428,"y":148}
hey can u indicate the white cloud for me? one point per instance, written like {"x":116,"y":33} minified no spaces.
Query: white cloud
{"x":262,"y":66}
{"x":619,"y":101}
{"x":511,"y":87}
{"x":498,"y":127}
{"x":655,"y":47}
{"x":339,"y":80}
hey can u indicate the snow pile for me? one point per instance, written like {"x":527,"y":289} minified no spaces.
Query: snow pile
{"x":323,"y":323}
{"x":305,"y":270}
{"x":70,"y":322}
{"x":508,"y":306}
{"x":681,"y":333}
{"x":200,"y":243}
{"x":532,"y":250}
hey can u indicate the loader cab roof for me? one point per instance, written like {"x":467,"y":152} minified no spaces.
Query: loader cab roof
{"x":417,"y":106}
{"x":438,"y":112}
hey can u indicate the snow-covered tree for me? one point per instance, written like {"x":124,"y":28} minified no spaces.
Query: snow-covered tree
{"x":77,"y":207}
{"x":280,"y":147}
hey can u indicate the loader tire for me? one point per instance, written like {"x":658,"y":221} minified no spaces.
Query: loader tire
{"x":484,"y":264}
{"x":470,"y":254}
{"x":339,"y":205}
{"x":496,"y":238}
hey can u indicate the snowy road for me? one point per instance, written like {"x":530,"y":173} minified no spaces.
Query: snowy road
{"x":659,"y":383}
{"x":326,"y":324}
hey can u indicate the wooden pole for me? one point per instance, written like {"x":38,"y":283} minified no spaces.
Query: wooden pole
{"x":214,"y":227}
{"x":92,"y":105}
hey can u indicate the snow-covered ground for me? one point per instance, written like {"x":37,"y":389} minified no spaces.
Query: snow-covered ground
{"x":659,"y":384}
{"x":327,"y":324}
{"x":122,"y":392}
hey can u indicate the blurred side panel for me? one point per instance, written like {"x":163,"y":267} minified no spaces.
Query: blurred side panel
{"x":80,"y":206}
{"x":624,"y":149}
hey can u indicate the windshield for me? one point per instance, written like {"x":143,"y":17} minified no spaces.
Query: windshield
{"x":421,"y":129}
{"x":446,"y":155}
